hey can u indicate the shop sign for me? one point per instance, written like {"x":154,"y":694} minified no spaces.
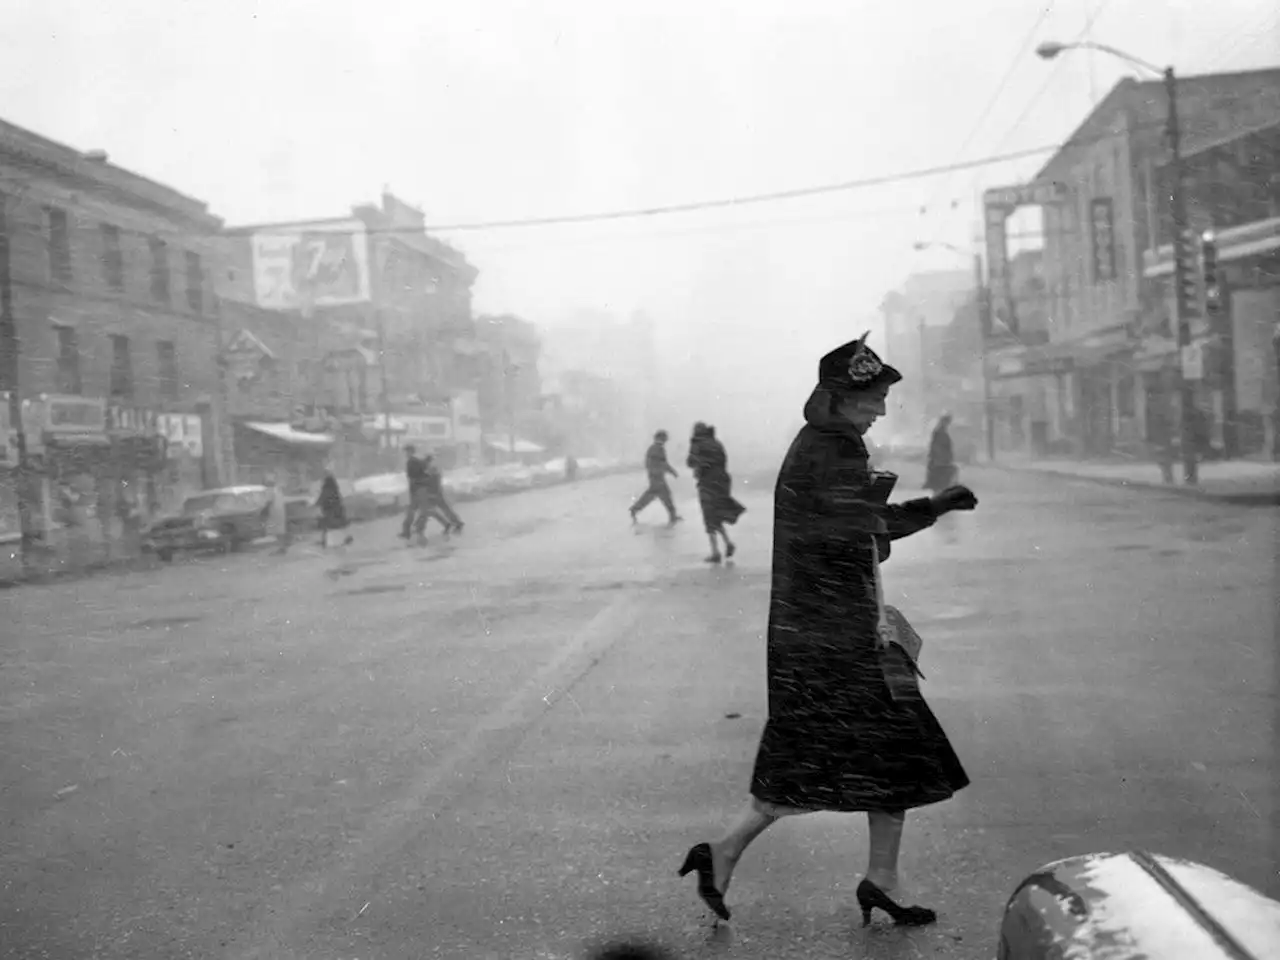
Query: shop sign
{"x":1026,"y":195}
{"x":426,"y":428}
{"x":184,"y":433}
{"x":65,"y":416}
{"x":1102,"y":231}
{"x":133,"y":421}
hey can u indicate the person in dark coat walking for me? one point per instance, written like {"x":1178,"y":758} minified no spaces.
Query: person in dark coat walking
{"x":941,"y":471}
{"x":836,"y":738}
{"x":657,"y":467}
{"x":710,"y":466}
{"x":333,"y":515}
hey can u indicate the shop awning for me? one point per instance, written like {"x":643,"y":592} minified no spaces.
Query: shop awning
{"x":504,"y":444}
{"x":286,"y":434}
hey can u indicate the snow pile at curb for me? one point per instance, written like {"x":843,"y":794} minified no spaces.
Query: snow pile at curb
{"x":475,"y":483}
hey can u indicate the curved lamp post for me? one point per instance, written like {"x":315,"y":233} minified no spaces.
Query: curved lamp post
{"x":1181,"y":253}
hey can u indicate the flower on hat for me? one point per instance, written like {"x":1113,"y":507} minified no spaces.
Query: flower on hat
{"x":864,"y":366}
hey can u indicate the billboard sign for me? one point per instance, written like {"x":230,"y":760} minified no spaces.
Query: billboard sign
{"x":998,"y":205}
{"x":299,"y":266}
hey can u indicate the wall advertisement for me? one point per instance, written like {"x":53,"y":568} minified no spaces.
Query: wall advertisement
{"x":305,"y":265}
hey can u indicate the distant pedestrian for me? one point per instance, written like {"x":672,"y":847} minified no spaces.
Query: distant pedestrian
{"x":710,"y":466}
{"x":570,"y":468}
{"x":424,"y":503}
{"x":837,"y":737}
{"x":437,"y":504}
{"x":941,"y":471}
{"x":658,"y":468}
{"x":333,"y":515}
{"x":333,"y":523}
{"x":278,"y":515}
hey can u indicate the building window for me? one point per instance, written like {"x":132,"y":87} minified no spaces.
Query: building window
{"x":59,"y":245}
{"x":167,"y":359}
{"x":159,"y":270}
{"x":112,"y":258}
{"x":68,"y":360}
{"x":195,"y":282}
{"x":121,"y":368}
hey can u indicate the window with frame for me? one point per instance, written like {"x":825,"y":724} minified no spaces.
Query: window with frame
{"x":59,"y":245}
{"x":159,"y":269}
{"x":112,"y":257}
{"x":167,"y":361}
{"x":68,"y":360}
{"x":121,"y":368}
{"x":195,"y":282}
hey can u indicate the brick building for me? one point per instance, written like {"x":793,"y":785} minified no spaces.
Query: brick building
{"x":110,"y":349}
{"x":1103,"y":366}
{"x":382,"y":314}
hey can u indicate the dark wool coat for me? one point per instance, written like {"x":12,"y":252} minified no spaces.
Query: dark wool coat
{"x":710,"y":466}
{"x":333,"y":516}
{"x":835,"y":739}
{"x":941,"y":472}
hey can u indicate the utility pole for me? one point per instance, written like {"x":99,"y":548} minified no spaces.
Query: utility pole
{"x":386,"y":382}
{"x":982,"y":306}
{"x":10,"y":380}
{"x":1183,"y":280}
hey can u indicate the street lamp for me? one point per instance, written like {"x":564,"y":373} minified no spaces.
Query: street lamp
{"x":980,"y":302}
{"x":1181,"y":247}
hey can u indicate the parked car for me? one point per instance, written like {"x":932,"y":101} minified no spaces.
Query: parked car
{"x":219,"y":520}
{"x":390,"y":491}
{"x":360,"y":505}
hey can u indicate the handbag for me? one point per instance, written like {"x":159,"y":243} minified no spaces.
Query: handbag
{"x":897,"y":643}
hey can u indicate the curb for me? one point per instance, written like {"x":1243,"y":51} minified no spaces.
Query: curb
{"x":1263,"y":498}
{"x":134,"y":564}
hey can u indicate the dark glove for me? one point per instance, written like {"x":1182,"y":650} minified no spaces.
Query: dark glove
{"x":954,"y":498}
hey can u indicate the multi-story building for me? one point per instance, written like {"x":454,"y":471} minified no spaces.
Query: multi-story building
{"x":111,"y":341}
{"x":386,"y":307}
{"x":510,"y":386}
{"x":1094,"y":377}
{"x":1233,"y":188}
{"x":916,"y":318}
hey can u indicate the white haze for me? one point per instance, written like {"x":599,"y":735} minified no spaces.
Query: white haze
{"x":481,"y":110}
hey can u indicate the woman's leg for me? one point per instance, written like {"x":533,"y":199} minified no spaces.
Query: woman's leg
{"x":886,"y":840}
{"x":728,"y":544}
{"x":728,"y":850}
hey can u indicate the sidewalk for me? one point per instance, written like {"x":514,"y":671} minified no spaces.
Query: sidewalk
{"x":47,"y":566}
{"x":1249,"y":482}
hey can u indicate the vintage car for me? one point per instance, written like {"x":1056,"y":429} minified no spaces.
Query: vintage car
{"x":1136,"y":906}
{"x":219,"y":520}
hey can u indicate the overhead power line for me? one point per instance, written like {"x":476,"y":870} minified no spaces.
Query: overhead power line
{"x":1019,"y":57}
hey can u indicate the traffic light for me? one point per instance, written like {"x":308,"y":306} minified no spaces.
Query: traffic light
{"x":1209,"y":271}
{"x":1184,"y":250}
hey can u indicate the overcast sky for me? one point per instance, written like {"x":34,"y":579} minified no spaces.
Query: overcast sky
{"x":481,"y":110}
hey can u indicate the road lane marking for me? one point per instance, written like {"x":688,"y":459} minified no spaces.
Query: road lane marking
{"x":397,"y":822}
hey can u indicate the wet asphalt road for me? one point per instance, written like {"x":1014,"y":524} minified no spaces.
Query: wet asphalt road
{"x":502,"y":747}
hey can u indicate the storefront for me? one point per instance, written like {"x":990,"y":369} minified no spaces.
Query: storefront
{"x":296,"y":458}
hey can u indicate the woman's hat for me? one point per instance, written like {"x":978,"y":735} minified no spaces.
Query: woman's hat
{"x":854,"y":367}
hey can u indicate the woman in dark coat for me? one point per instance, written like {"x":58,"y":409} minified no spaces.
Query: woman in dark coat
{"x":941,"y":470}
{"x":710,"y":466}
{"x":836,"y":740}
{"x":333,"y":516}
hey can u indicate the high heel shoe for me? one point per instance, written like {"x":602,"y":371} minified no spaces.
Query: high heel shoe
{"x":699,"y":859}
{"x":870,"y":897}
